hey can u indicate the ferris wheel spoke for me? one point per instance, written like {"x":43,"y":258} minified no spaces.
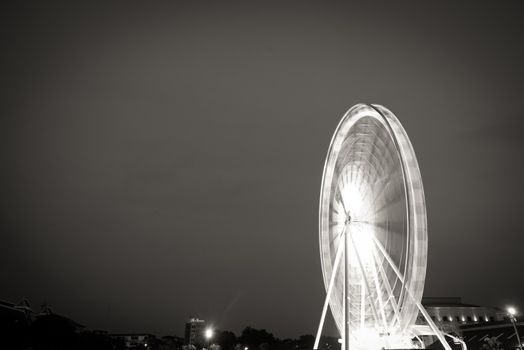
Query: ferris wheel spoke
{"x":379,"y":293}
{"x":365,"y":174}
{"x":392,"y":202}
{"x":362,"y":303}
{"x":380,"y":193}
{"x":367,"y":195}
{"x":373,"y":146}
{"x":373,"y":226}
{"x":363,"y":274}
{"x":388,"y":258}
{"x":336,"y":221}
{"x":370,"y":206}
{"x":334,"y":239}
{"x":385,"y":227}
{"x":385,"y":197}
{"x":387,"y":180}
{"x":391,"y":297}
{"x":341,"y":199}
{"x":394,"y":173}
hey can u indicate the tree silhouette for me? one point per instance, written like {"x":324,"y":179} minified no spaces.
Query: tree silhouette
{"x":226,"y":340}
{"x":252,"y":337}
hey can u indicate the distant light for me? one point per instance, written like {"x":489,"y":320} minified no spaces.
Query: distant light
{"x":463,"y":319}
{"x":512,"y":311}
{"x":208,"y":333}
{"x":475,"y":318}
{"x":450,"y":318}
{"x":145,"y":345}
{"x":246,"y":348}
{"x":486,"y":318}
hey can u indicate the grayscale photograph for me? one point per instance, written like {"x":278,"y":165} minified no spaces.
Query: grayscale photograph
{"x":262,"y":175}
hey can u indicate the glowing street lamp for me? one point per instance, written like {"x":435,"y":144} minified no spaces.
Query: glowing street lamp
{"x":512,"y":312}
{"x":208,"y":334}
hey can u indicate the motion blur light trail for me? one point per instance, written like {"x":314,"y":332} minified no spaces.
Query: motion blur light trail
{"x":373,"y":233}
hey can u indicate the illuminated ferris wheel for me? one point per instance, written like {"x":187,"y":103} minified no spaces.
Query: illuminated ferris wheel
{"x":373,"y":234}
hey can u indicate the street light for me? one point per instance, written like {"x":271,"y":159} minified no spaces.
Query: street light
{"x":208,"y":334}
{"x":512,"y":312}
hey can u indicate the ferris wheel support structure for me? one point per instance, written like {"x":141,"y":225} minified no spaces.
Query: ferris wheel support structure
{"x":341,"y":251}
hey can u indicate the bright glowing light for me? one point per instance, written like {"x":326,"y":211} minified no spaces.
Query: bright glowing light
{"x":364,"y":243}
{"x":208,"y":333}
{"x":352,"y":196}
{"x":512,"y":311}
{"x":367,"y":338}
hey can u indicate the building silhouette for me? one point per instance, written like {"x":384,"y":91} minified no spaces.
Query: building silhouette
{"x":194,"y":332}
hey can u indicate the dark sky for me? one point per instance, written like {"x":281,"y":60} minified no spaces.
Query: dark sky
{"x":164,"y":160}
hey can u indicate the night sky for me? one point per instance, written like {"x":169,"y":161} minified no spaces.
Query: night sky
{"x":163,"y":160}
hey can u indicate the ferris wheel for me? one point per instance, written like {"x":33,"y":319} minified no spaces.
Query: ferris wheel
{"x":373,"y":233}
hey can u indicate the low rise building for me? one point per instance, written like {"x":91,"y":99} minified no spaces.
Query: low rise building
{"x":194,"y":332}
{"x":450,"y":313}
{"x":476,"y":325}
